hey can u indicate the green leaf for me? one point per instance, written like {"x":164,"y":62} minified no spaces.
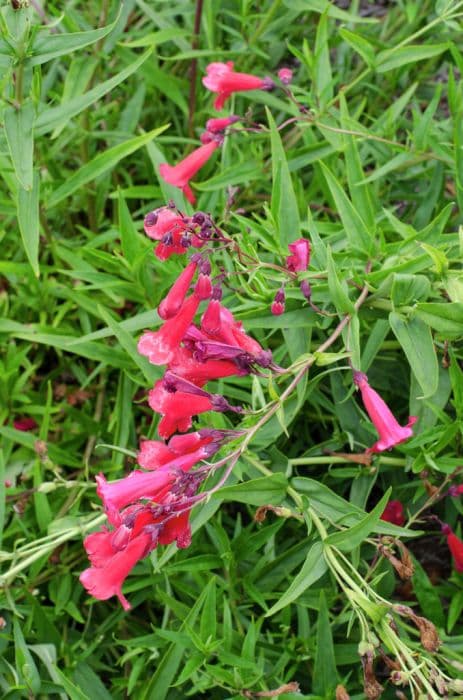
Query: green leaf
{"x":407,"y":289}
{"x":444,"y":318}
{"x":257,"y":492}
{"x":356,"y":230}
{"x":359,"y":44}
{"x":312,"y":569}
{"x":101,"y":164}
{"x":349,"y":539}
{"x":130,"y":238}
{"x":150,"y":372}
{"x":284,"y":203}
{"x":325,"y":675}
{"x":24,"y":662}
{"x":360,"y":193}
{"x":323,"y":79}
{"x":47,"y":46}
{"x":416,"y":340}
{"x":56,"y":117}
{"x":166,"y":668}
{"x":28,"y":219}
{"x":338,"y":290}
{"x":336,"y":508}
{"x":427,"y":595}
{"x":401,"y":56}
{"x":19,"y":123}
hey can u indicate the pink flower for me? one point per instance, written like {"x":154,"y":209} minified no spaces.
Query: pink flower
{"x":185,"y":365}
{"x":285,"y":75}
{"x":25,"y":424}
{"x":164,"y":221}
{"x":178,"y":400}
{"x":455,"y":490}
{"x":179,"y":175}
{"x":111,"y":566}
{"x":278,"y":305}
{"x":389,"y":431}
{"x":456,"y":547}
{"x":172,"y":303}
{"x":221,"y":78}
{"x":116,"y":495}
{"x":177,"y":529}
{"x":300,"y":258}
{"x":160,"y":347}
{"x":217,"y":126}
{"x":394,"y":513}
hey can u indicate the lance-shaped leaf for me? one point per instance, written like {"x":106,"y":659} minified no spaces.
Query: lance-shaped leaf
{"x":19,"y":124}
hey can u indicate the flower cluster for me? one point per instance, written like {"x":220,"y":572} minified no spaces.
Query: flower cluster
{"x":199,"y":341}
{"x":151,"y":506}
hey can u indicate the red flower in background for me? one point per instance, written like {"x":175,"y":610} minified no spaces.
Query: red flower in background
{"x":221,"y":78}
{"x":394,"y":513}
{"x":25,"y":424}
{"x":456,"y":547}
{"x":300,"y":258}
{"x":179,"y":175}
{"x":389,"y":431}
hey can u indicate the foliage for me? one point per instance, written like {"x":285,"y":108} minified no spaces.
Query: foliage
{"x":368,"y":166}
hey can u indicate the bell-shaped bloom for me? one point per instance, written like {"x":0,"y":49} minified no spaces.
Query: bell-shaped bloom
{"x":160,"y":346}
{"x":180,"y":175}
{"x":117,"y":495}
{"x":222,"y":79}
{"x":394,"y":513}
{"x":456,"y":547}
{"x":186,"y":365}
{"x":455,"y":490}
{"x":111,"y":567}
{"x":154,"y":454}
{"x":25,"y":424}
{"x":299,"y":260}
{"x":173,"y":232}
{"x":389,"y":431}
{"x":278,"y":304}
{"x":217,"y":126}
{"x":163,"y":221}
{"x":177,"y":529}
{"x":285,"y":75}
{"x":172,"y":303}
{"x":178,"y":405}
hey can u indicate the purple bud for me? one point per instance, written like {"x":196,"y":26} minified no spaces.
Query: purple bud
{"x":306,"y":289}
{"x":151,"y":219}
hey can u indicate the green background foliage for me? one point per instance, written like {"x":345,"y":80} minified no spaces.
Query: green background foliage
{"x":95,"y":97}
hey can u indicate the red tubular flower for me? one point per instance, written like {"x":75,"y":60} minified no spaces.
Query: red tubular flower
{"x":217,"y":126}
{"x":172,"y":303}
{"x":178,"y":400}
{"x":163,"y":221}
{"x":285,"y":75}
{"x":185,"y":365}
{"x":456,"y":547}
{"x":116,"y":495}
{"x":179,"y":175}
{"x":221,"y":78}
{"x":155,"y":454}
{"x":111,"y":567}
{"x":25,"y":424}
{"x":160,"y":347}
{"x":300,"y":258}
{"x":389,"y":431}
{"x":394,"y":513}
{"x":278,"y":304}
{"x":455,"y":490}
{"x":177,"y":529}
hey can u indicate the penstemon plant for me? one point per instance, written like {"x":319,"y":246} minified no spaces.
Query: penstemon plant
{"x":152,"y":506}
{"x":277,"y":448}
